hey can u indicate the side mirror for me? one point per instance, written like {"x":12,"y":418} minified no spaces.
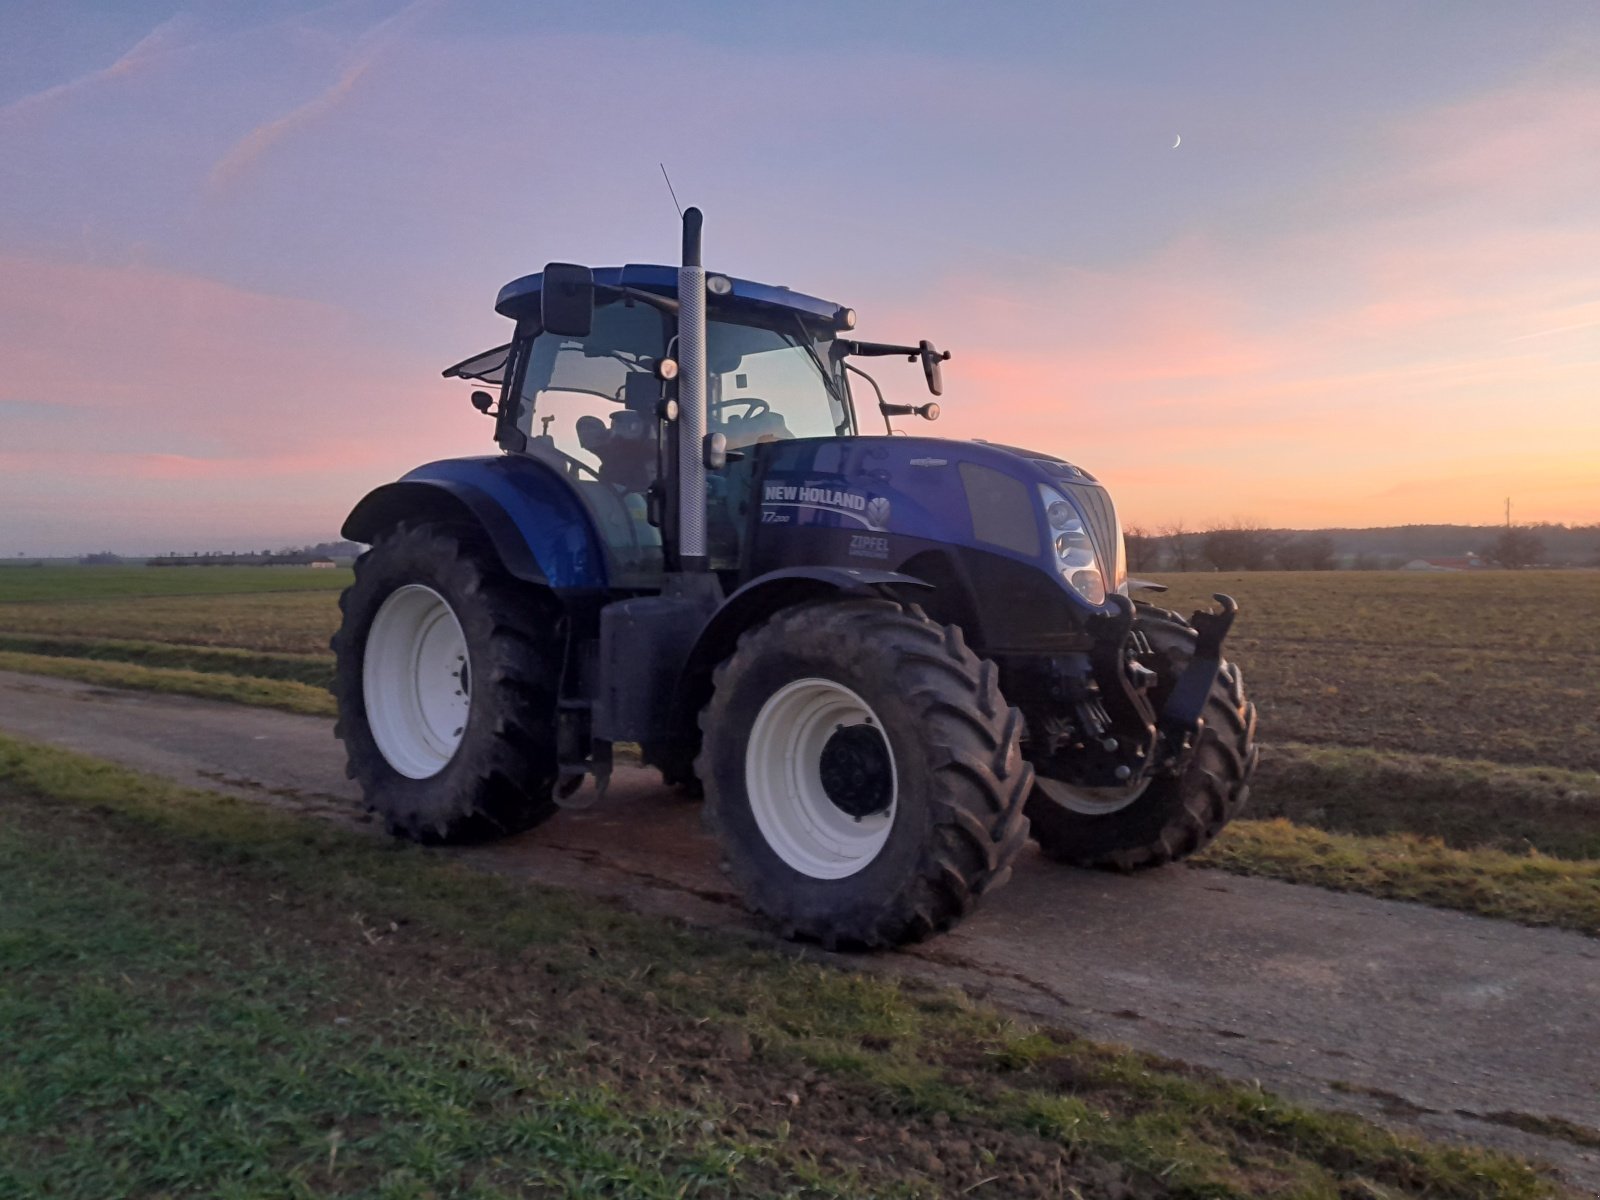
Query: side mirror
{"x":566,"y":300}
{"x":482,"y":401}
{"x":931,"y":358}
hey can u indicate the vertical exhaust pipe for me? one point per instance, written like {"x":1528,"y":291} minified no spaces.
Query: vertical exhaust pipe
{"x":692,"y":398}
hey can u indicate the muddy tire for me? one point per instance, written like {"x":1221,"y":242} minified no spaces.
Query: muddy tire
{"x":446,"y":678}
{"x":1173,"y":816}
{"x":862,"y":772}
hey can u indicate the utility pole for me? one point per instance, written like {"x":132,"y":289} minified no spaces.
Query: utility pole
{"x":1508,"y":512}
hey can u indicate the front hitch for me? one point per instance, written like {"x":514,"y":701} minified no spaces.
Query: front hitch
{"x":1124,"y":750}
{"x":1181,"y":715}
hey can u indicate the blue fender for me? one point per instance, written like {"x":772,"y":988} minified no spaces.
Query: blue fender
{"x":755,"y":602}
{"x":539,"y":527}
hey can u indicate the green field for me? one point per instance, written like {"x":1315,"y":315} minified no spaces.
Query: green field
{"x":1444,"y":727}
{"x":57,"y":584}
{"x":204,"y":997}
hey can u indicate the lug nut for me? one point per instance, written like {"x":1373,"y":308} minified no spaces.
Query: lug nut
{"x":1109,"y":745}
{"x":1123,"y":772}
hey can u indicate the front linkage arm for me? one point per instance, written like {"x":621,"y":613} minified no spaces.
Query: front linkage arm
{"x":1180,"y":716}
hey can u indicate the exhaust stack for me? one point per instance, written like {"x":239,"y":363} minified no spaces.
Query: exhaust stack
{"x":692,"y":398}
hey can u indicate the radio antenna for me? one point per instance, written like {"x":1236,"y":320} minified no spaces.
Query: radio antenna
{"x":671,"y":190}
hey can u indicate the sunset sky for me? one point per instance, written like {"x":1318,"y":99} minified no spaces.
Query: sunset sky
{"x":239,"y":241}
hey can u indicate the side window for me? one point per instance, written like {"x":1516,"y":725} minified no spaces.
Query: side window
{"x":588,"y":407}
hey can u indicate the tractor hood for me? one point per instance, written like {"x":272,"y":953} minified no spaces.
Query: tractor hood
{"x":933,"y":491}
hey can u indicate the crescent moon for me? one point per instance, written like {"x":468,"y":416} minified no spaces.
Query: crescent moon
{"x":1178,"y":142}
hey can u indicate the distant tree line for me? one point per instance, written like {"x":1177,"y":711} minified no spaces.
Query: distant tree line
{"x":1238,"y":546}
{"x":1245,"y":546}
{"x":1516,"y":547}
{"x":294,"y":556}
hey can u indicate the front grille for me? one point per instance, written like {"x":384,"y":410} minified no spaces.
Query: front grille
{"x":1101,"y":515}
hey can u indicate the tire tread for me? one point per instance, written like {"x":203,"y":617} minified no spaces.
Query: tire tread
{"x":981,"y":778}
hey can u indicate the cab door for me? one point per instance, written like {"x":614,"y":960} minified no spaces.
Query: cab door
{"x":590,"y":408}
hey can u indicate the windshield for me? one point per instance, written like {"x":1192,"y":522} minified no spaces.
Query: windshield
{"x":770,"y":384}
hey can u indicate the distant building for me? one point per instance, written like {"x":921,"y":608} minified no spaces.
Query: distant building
{"x":323,"y":563}
{"x":1467,"y":562}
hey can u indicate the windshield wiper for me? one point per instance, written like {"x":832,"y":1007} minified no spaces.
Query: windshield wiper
{"x":822,"y":368}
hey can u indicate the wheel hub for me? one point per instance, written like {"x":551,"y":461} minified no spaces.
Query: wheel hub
{"x":855,"y":771}
{"x":821,"y":778}
{"x":416,"y":681}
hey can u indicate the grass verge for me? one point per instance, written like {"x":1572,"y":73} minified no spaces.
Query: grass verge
{"x":314,"y":670}
{"x":282,"y":694}
{"x":1528,"y":888}
{"x":208,"y":998}
{"x":1463,"y":803}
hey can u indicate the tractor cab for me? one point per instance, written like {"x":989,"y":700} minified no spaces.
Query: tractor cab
{"x":598,"y":405}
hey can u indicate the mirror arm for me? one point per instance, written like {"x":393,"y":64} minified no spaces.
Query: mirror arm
{"x":882,"y":407}
{"x":878,"y":349}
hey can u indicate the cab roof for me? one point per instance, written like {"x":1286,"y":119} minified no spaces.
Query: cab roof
{"x":521,"y":296}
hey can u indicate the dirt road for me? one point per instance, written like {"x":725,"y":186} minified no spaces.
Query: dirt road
{"x":1450,"y":1023}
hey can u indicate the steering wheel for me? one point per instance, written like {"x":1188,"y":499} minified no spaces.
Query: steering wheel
{"x":754,"y":407}
{"x":555,"y":456}
{"x":576,"y":467}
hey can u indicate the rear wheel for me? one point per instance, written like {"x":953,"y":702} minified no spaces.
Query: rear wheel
{"x":863,"y":773}
{"x":446,"y":679}
{"x":1169,"y":817}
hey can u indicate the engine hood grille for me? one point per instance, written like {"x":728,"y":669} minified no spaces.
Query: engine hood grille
{"x":1101,"y":515}
{"x":1095,"y":503}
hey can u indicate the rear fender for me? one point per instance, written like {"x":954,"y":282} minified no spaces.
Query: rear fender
{"x":536,"y":523}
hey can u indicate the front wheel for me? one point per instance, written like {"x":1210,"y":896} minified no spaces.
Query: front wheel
{"x":862,"y":772}
{"x":446,"y":681}
{"x":1168,"y":817}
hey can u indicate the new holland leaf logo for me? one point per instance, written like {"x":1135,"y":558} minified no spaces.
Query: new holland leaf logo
{"x":873,"y":512}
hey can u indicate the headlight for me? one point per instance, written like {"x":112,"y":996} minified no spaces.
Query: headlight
{"x":1075,"y":556}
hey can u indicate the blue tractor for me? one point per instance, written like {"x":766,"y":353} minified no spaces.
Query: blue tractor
{"x":880,"y":658}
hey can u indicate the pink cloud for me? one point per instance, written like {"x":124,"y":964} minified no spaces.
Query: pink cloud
{"x":1204,"y":393}
{"x":200,"y":398}
{"x":368,"y":48}
{"x":1531,"y":140}
{"x":156,"y":44}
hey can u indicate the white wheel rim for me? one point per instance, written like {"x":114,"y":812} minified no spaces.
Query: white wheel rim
{"x":1090,"y":802}
{"x":805,"y":828}
{"x":416,"y":678}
